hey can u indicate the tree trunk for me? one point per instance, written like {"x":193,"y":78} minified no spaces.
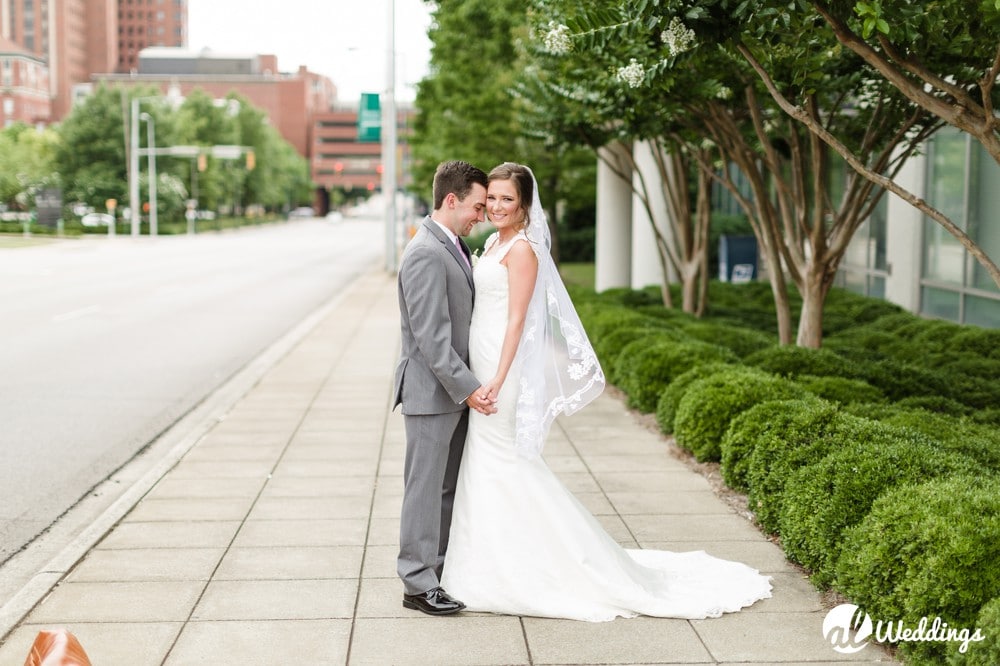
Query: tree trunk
{"x":814,"y":289}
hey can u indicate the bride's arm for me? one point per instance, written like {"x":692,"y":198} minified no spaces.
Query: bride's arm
{"x":522,"y":270}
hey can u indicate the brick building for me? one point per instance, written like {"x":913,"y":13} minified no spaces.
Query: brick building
{"x":145,"y":23}
{"x":24,"y":86}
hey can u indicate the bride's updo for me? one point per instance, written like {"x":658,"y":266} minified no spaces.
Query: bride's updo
{"x":524,"y":184}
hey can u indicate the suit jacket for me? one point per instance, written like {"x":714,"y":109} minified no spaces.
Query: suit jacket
{"x":435,"y":309}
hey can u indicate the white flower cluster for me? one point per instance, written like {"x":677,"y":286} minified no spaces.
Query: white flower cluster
{"x":634,"y":74}
{"x":557,"y":39}
{"x":677,"y":37}
{"x":724,"y":92}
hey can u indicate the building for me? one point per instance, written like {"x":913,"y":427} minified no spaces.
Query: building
{"x":75,"y":38}
{"x":24,"y":86}
{"x":146,"y":23}
{"x":341,"y":160}
{"x":898,"y":254}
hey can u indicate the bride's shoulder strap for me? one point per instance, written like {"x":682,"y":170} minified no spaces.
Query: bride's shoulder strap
{"x":510,"y":244}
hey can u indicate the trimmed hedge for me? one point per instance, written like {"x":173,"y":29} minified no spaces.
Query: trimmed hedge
{"x":610,"y":347}
{"x":774,"y":418}
{"x":821,"y":500}
{"x":840,"y":389}
{"x":645,"y":373}
{"x":792,"y":361}
{"x":741,"y":341}
{"x":811,"y":434}
{"x":666,"y":407}
{"x":924,"y":551}
{"x":986,"y":652}
{"x":708,"y":406}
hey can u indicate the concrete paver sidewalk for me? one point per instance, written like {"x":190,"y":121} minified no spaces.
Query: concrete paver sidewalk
{"x":273,"y":540}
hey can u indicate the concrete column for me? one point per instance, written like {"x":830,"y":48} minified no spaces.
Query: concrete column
{"x":612,"y":261}
{"x":646,"y":267}
{"x":904,"y":237}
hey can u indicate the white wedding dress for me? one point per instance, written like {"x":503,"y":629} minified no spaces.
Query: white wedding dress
{"x":522,"y":544}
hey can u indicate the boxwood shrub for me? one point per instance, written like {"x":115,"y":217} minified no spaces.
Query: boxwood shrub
{"x":926,"y":550}
{"x":793,"y":361}
{"x":810,"y":436}
{"x":741,"y":341}
{"x":609,"y":347}
{"x":982,"y":341}
{"x":774,"y":418}
{"x":708,"y":406}
{"x":961,"y":435}
{"x":666,"y":407}
{"x":821,"y":500}
{"x":646,"y":370}
{"x":840,"y":389}
{"x":898,"y":379}
{"x":985,"y":652}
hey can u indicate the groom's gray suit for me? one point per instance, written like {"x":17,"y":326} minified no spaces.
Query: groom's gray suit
{"x":432,"y":383}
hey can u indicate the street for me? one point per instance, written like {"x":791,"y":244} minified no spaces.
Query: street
{"x":106,"y":343}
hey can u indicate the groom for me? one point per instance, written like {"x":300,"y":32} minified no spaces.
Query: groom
{"x":433,"y":380}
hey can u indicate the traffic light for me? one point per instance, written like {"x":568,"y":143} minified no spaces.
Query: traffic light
{"x":251,"y":160}
{"x":202,"y":161}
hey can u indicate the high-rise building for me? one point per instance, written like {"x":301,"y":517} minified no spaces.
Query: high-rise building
{"x":144,"y":23}
{"x":77,"y":38}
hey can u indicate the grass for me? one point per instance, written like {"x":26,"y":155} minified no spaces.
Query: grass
{"x":580,"y":275}
{"x":23,"y":241}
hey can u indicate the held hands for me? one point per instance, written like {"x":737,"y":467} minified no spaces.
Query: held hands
{"x":483,"y":400}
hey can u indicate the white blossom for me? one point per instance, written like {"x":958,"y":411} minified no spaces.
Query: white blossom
{"x":724,"y":92}
{"x":557,"y":40}
{"x":633,"y":73}
{"x":677,"y":37}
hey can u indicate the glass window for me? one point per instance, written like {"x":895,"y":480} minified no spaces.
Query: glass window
{"x":983,"y":312}
{"x":944,"y":256}
{"x":984,"y":213}
{"x":941,"y":303}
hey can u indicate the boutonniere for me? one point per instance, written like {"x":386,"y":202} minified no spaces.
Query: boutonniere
{"x":475,"y":257}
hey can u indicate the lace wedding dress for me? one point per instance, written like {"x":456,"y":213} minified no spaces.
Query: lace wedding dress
{"x":522,"y":544}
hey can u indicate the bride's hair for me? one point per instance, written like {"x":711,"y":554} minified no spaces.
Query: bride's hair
{"x":520,"y":175}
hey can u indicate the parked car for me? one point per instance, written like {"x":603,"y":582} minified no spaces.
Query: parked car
{"x":303,"y":211}
{"x":334,"y":216}
{"x":97,"y":220}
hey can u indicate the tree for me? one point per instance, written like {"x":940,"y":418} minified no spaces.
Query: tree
{"x":466,"y":107}
{"x":27,"y":161}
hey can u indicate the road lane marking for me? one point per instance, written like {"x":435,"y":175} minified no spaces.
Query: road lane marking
{"x":76,"y":314}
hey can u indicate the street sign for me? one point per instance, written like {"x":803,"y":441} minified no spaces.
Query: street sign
{"x":369,"y":119}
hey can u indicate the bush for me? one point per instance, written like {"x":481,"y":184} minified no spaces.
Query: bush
{"x":986,"y":652}
{"x":821,"y":500}
{"x":923,"y":551}
{"x":609,"y":347}
{"x":792,"y":361}
{"x":961,"y":435}
{"x":984,"y":342}
{"x":645,"y":369}
{"x":809,"y":436}
{"x":599,"y":319}
{"x":741,"y":341}
{"x":666,"y":407}
{"x":898,"y":379}
{"x":775,"y":418}
{"x":840,"y":389}
{"x":709,"y":405}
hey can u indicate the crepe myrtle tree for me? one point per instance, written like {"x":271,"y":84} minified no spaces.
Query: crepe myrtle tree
{"x":571,"y":97}
{"x":940,"y":71}
{"x":803,"y":216}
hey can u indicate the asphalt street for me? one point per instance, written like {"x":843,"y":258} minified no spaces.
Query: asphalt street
{"x":104,"y":343}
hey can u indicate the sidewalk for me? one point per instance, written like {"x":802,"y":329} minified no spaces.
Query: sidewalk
{"x":273,"y":540}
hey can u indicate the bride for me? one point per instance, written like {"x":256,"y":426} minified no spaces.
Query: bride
{"x":521,"y":543}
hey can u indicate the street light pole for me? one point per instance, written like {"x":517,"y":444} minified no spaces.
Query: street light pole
{"x":133,"y":171}
{"x":389,"y":142}
{"x":151,"y":156}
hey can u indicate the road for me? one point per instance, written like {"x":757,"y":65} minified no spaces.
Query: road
{"x":104,"y":343}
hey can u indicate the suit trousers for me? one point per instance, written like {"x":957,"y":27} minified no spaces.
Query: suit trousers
{"x":434,"y":445}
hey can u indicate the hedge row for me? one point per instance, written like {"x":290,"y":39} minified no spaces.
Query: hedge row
{"x":849,"y":453}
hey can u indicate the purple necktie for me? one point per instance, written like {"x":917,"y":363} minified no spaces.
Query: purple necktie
{"x":458,"y":244}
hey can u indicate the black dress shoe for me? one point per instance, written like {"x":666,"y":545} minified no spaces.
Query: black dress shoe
{"x":433,"y":602}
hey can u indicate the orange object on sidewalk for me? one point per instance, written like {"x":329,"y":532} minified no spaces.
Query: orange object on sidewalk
{"x":57,"y":647}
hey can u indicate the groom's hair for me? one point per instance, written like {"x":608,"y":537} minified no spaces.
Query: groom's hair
{"x":458,"y":177}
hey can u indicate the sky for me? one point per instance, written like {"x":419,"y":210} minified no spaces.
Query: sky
{"x":342,"y":39}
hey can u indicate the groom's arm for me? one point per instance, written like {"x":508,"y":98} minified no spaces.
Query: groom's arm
{"x":425,"y":294}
